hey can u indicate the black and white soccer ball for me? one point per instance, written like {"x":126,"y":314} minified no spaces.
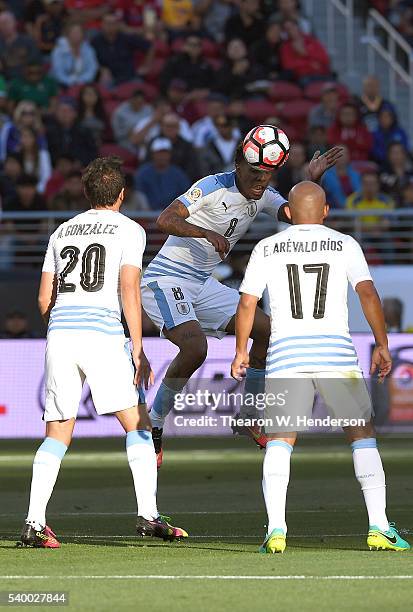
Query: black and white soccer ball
{"x":266,"y":147}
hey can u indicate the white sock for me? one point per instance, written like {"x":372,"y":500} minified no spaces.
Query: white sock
{"x":370,"y":474}
{"x":276,"y":475}
{"x":46,"y":466}
{"x":142,"y":462}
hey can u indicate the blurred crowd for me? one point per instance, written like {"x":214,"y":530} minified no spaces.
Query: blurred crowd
{"x":399,"y":13}
{"x":171,"y":86}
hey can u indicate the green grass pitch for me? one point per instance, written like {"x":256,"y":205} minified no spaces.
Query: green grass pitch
{"x":212,"y":489}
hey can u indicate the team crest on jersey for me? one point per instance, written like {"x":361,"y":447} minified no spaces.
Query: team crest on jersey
{"x":183,"y":308}
{"x":252,"y":209}
{"x":195,"y":194}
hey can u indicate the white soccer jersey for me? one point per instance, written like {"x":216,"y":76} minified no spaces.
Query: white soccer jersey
{"x":213,"y":203}
{"x":86,"y":254}
{"x":307,"y":269}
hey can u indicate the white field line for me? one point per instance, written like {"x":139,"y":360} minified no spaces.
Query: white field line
{"x":205,"y":577}
{"x":197,"y":537}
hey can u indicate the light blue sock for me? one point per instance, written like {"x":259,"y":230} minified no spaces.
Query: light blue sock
{"x":162,"y":405}
{"x":254,"y":385}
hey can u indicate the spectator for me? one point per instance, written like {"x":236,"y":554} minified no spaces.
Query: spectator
{"x":248,"y":24}
{"x":139,"y":16}
{"x":388,"y":131}
{"x":71,"y":196}
{"x":64,"y":165}
{"x":397,"y":171}
{"x":289,"y":10}
{"x":66,"y":137}
{"x":12,"y":170}
{"x":26,"y":115}
{"x":149,"y":128}
{"x":127,"y":115}
{"x":407,"y":195}
{"x":236,"y":111}
{"x":303,"y":55}
{"x":293,"y":170}
{"x":73,"y":59}
{"x":204,"y":129}
{"x":218,"y":154}
{"x":181,"y":101}
{"x":48,"y":24}
{"x":190,"y":66}
{"x":316,"y":140}
{"x":35,"y":160}
{"x":92,"y":114}
{"x":214,"y":15}
{"x":349,"y":130}
{"x":16,"y":50}
{"x":116,"y":50}
{"x":184,"y":154}
{"x":370,"y":198}
{"x":371,"y":102}
{"x":237,"y":74}
{"x":34,"y":85}
{"x":159,"y":180}
{"x":179,"y":17}
{"x":87,"y":12}
{"x":132,"y":200}
{"x":324,"y":114}
{"x":27,"y":199}
{"x":340,"y":181}
{"x":266,"y":51}
{"x":16,"y":327}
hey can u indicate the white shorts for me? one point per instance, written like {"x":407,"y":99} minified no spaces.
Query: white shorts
{"x":171,"y":301}
{"x":344,"y":394}
{"x":103,"y":360}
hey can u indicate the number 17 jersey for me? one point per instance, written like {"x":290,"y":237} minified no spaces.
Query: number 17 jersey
{"x":86,"y":254}
{"x":307,"y":269}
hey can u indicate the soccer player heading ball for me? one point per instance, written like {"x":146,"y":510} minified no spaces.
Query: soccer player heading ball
{"x":180,"y":294}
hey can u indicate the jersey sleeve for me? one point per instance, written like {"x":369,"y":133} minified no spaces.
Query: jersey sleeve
{"x":357,"y":267}
{"x":273,"y":202}
{"x":134,"y":246}
{"x":49,"y":263}
{"x":197,"y":195}
{"x":255,"y":280}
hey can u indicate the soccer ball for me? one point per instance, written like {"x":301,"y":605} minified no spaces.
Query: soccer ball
{"x":266,"y":147}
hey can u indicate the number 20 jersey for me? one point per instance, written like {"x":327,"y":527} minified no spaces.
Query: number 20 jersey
{"x":307,"y":269}
{"x":86,"y":253}
{"x":213,"y":203}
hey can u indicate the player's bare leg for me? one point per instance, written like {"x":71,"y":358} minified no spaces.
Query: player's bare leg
{"x":192,"y":344}
{"x":255,"y":377}
{"x":46,"y":466}
{"x":142,"y":461}
{"x":275,"y":479}
{"x":369,"y":472}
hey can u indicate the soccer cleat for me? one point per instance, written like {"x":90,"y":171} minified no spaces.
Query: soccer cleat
{"x":253,"y":431}
{"x":38,"y":539}
{"x":157,"y":442}
{"x":159,"y":528}
{"x":275,"y":542}
{"x":386,"y":540}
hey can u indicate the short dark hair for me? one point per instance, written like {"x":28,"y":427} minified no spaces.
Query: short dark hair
{"x":103,"y":180}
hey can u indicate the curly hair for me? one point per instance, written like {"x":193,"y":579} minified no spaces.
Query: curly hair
{"x":103,"y":180}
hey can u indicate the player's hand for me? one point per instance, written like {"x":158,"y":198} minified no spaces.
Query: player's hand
{"x":320,"y":163}
{"x":220,"y":243}
{"x":381,"y":361}
{"x":144,"y":375}
{"x":239,"y":365}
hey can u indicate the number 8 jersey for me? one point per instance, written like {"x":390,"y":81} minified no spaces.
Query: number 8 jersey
{"x":86,"y":254}
{"x":307,"y":269}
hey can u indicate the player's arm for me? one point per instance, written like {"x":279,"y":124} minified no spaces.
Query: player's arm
{"x":132,"y":309}
{"x":244,"y":320}
{"x":320,"y":163}
{"x":172,"y":221}
{"x":373,"y":311}
{"x":47,"y":294}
